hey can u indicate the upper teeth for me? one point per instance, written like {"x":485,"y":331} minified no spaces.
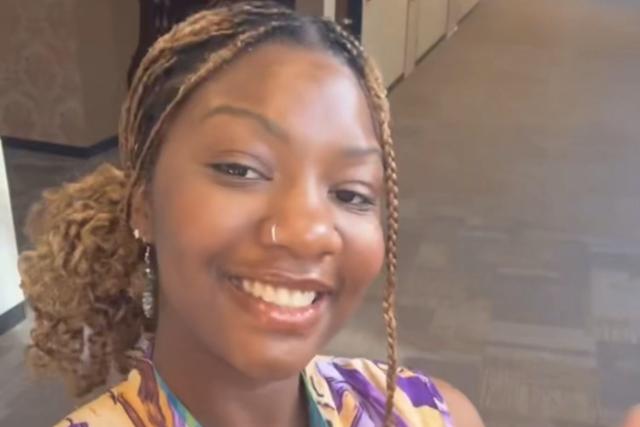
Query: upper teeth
{"x":278,"y":295}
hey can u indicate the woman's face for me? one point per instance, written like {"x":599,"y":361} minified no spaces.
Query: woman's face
{"x":265,"y":211}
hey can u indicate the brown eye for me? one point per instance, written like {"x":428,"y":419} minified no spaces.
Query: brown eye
{"x":237,"y":170}
{"x":354,"y":199}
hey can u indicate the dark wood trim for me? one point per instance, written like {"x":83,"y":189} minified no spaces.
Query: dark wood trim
{"x":12,"y":318}
{"x":60,"y":149}
{"x":355,"y":13}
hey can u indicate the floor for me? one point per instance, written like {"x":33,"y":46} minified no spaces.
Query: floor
{"x":520,"y":244}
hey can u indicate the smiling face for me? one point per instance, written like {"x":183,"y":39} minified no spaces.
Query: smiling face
{"x":264,"y":210}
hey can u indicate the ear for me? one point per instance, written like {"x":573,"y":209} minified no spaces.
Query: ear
{"x":141,"y":213}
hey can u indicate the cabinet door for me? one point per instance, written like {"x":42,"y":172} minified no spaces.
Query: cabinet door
{"x":432,"y":23}
{"x":384,"y":31}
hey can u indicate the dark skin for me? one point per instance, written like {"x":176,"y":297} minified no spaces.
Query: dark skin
{"x":295,"y":147}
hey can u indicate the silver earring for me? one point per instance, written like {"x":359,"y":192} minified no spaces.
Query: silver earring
{"x":273,"y":234}
{"x":136,"y":234}
{"x":147,"y":295}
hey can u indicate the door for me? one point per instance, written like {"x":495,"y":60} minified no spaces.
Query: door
{"x":348,"y":13}
{"x":156,"y":18}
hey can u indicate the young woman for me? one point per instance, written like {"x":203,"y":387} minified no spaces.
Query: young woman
{"x":242,"y":232}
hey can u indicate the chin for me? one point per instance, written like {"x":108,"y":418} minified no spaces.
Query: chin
{"x":265,"y":368}
{"x":271,"y":360}
{"x":275,"y":369}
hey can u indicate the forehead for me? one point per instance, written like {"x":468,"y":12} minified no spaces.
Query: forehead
{"x":290,"y":84}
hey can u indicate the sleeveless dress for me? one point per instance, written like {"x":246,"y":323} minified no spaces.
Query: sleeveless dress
{"x":341,"y":393}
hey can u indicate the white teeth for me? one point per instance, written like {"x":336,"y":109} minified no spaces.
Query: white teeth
{"x":283,"y":295}
{"x":302,"y":299}
{"x":298,"y":298}
{"x":278,"y":295}
{"x":269,"y":294}
{"x":246,"y":286}
{"x":258,"y":289}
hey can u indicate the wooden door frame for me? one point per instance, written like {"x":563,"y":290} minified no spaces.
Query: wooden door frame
{"x":353,"y":9}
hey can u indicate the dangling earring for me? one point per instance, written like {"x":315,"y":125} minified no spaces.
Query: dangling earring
{"x":147,"y":295}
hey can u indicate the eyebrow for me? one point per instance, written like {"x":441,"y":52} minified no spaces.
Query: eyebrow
{"x":277,"y":131}
{"x":232,"y":110}
{"x":357,"y":152}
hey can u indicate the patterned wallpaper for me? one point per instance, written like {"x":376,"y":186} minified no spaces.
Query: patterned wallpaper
{"x":40,"y":84}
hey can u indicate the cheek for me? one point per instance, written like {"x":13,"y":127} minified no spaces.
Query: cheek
{"x":364,"y":254}
{"x":197,"y":226}
{"x":202,"y":219}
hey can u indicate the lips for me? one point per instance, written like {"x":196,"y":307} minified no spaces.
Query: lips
{"x":281,"y":304}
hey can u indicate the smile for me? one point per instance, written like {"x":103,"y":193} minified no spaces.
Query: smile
{"x":281,"y":304}
{"x":277,"y":295}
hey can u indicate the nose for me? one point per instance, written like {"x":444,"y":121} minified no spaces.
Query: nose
{"x":302,"y":222}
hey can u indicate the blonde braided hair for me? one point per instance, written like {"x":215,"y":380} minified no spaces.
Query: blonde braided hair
{"x":85,"y":271}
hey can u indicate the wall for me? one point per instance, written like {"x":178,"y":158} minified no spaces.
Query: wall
{"x":325,"y":8}
{"x":384,"y":27}
{"x":62,"y":75}
{"x":39,"y":78}
{"x":107,"y":37}
{"x":310,"y":7}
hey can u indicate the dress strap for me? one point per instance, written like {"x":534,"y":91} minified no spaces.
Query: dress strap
{"x":315,"y":416}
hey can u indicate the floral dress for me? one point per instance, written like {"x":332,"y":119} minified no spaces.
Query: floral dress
{"x":341,"y":393}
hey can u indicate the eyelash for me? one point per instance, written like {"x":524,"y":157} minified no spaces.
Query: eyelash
{"x":230,"y":170}
{"x":366,"y":203}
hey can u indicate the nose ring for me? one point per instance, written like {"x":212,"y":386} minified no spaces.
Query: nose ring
{"x":273,"y":233}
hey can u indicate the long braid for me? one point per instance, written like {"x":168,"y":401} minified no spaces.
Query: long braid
{"x":391,"y":182}
{"x":373,"y":83}
{"x":389,"y":303}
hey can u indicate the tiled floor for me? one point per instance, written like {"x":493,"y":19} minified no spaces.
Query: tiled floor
{"x":520,"y":243}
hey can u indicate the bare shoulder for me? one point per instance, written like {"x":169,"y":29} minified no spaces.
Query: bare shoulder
{"x":633,"y":417}
{"x":105,"y":411}
{"x":463,"y":412}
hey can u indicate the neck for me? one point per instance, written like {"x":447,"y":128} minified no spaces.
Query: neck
{"x":219,"y":395}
